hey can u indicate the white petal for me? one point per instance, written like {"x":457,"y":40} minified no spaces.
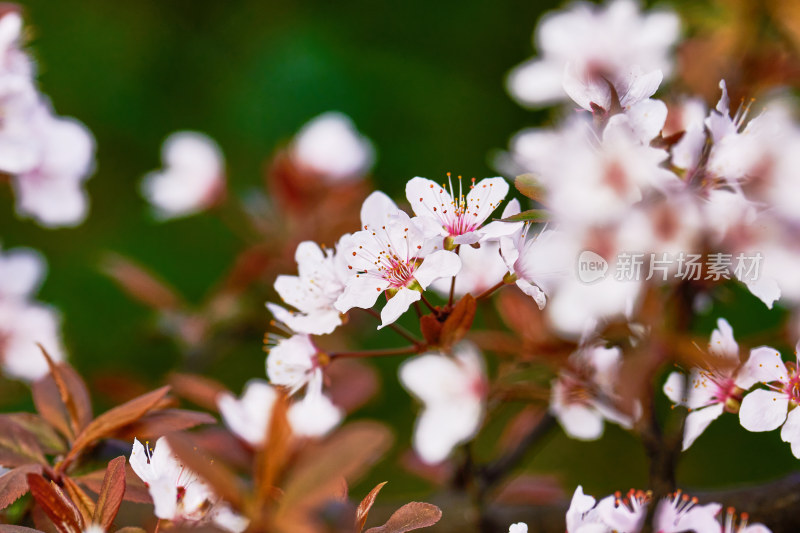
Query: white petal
{"x":442,"y":426}
{"x":790,"y":432}
{"x":765,"y":365}
{"x":722,"y":342}
{"x":21,"y":272}
{"x":698,"y":420}
{"x":533,"y":291}
{"x":763,"y":410}
{"x":314,"y":416}
{"x":331,"y":145}
{"x":361,"y":291}
{"x":674,"y":388}
{"x":647,"y":118}
{"x":580,"y":422}
{"x":439,"y":264}
{"x":377,"y":209}
{"x":397,"y":305}
{"x":484,"y":197}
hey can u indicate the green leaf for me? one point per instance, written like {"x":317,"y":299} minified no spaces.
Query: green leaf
{"x":531,"y":215}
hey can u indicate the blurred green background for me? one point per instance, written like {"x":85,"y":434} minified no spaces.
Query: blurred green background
{"x":423,"y":80}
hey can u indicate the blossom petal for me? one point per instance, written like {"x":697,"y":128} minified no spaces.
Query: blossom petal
{"x":397,"y":305}
{"x":674,"y":388}
{"x":377,"y":209}
{"x":763,"y":410}
{"x":361,"y":291}
{"x":698,"y":420}
{"x":580,"y":422}
{"x":790,"y":432}
{"x":764,"y":365}
{"x":439,"y":264}
{"x":442,"y":426}
{"x":722,"y":343}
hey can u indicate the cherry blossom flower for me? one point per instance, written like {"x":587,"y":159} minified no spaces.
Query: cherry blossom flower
{"x":177,"y":492}
{"x":582,"y":396}
{"x":481,"y":269}
{"x":719,"y":387}
{"x":330,"y":145}
{"x":24,"y":323}
{"x":291,"y":362}
{"x":538,"y":263}
{"x":593,"y":47}
{"x":322,"y":274}
{"x":453,"y":391}
{"x":48,"y":157}
{"x":680,"y":513}
{"x":460,"y":218}
{"x":51,"y":190}
{"x":249,"y":417}
{"x":771,"y":408}
{"x":192,"y":179}
{"x":315,"y":415}
{"x":393,"y":253}
{"x":582,"y":515}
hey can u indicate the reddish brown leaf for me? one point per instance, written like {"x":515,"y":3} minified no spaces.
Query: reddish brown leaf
{"x":79,"y":498}
{"x":139,"y":283}
{"x":352,"y":383}
{"x":73,"y":392}
{"x":271,"y":460}
{"x":221,"y":480}
{"x":19,"y":446}
{"x":4,"y":528}
{"x":531,"y":490}
{"x":55,"y":504}
{"x":431,"y":329}
{"x":14,"y":484}
{"x":111,"y":493}
{"x":199,"y":390}
{"x":366,"y":505}
{"x":47,"y":400}
{"x":414,"y":515}
{"x":43,"y":432}
{"x":114,"y":419}
{"x":135,"y":489}
{"x":346,"y":454}
{"x":161,"y":422}
{"x":458,"y":323}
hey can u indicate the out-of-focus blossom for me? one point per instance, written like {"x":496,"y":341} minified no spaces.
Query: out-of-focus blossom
{"x":680,"y":513}
{"x":459,"y":218}
{"x":718,"y":388}
{"x":330,"y":146}
{"x":582,"y":515}
{"x":249,"y":417}
{"x":48,"y":157}
{"x":481,"y":268}
{"x":583,"y":396}
{"x":393,"y":253}
{"x":291,"y":362}
{"x":193,"y":177}
{"x":177,"y":492}
{"x":768,"y":409}
{"x":321,"y":278}
{"x":519,"y":527}
{"x":24,"y":323}
{"x":594,"y":48}
{"x":315,"y":415}
{"x":51,"y":190}
{"x":453,"y":390}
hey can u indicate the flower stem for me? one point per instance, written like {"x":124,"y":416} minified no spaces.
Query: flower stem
{"x":488,"y":292}
{"x":430,"y":306}
{"x":406,"y":350}
{"x":400,"y":330}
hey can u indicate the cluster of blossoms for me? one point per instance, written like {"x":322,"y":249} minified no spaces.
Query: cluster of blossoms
{"x":674,"y":514}
{"x":25,"y":324}
{"x":178,"y":493}
{"x":48,"y":157}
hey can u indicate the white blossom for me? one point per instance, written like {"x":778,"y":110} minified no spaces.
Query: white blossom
{"x":453,"y":391}
{"x":178,"y":493}
{"x":192,"y":179}
{"x":330,"y":145}
{"x":595,"y":46}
